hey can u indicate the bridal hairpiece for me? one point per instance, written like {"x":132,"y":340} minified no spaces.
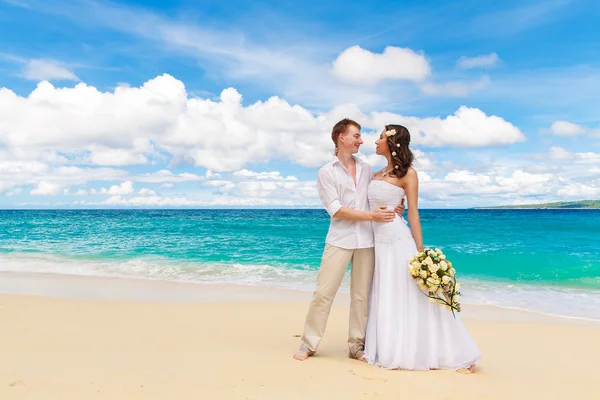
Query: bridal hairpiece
{"x":391,"y":132}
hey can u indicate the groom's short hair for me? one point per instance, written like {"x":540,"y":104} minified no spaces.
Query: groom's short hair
{"x":341,"y":128}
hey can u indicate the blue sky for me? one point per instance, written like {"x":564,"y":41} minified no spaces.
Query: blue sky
{"x":142,"y":104}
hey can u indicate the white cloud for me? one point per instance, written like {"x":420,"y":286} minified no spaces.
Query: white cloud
{"x":273,"y":175}
{"x":115,"y":157}
{"x":565,"y":128}
{"x":359,"y":66}
{"x":124,"y":188}
{"x":147,"y":192}
{"x":454,"y":88}
{"x":211,"y":175}
{"x":558,"y":153}
{"x":45,"y":188}
{"x":49,"y":179}
{"x":167,"y":177}
{"x":132,"y":125}
{"x":580,"y":190}
{"x":468,"y":127}
{"x":40,"y":70}
{"x":221,"y":185}
{"x":481,"y":61}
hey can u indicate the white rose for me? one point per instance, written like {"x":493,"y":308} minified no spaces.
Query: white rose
{"x":423,"y":274}
{"x":443,"y":265}
{"x":439,"y":291}
{"x":445,"y":279}
{"x":443,"y":256}
{"x":434,"y":268}
{"x":451,"y":272}
{"x":428,"y":261}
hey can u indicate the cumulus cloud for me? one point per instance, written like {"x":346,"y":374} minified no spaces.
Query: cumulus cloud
{"x":481,"y":61}
{"x":48,"y":180}
{"x":569,"y":129}
{"x":147,"y":192}
{"x":121,"y":189}
{"x":140,"y":125}
{"x":40,"y":70}
{"x":45,"y":188}
{"x":166,"y":177}
{"x":273,"y":175}
{"x":558,"y":153}
{"x":363,"y":67}
{"x":468,"y":127}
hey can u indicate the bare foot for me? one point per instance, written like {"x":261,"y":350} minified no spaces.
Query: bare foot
{"x":470,"y":370}
{"x":302,"y":355}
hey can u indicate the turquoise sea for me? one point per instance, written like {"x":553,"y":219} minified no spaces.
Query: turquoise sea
{"x":546,"y":261}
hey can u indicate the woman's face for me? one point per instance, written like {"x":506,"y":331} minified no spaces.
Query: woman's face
{"x":381,"y":145}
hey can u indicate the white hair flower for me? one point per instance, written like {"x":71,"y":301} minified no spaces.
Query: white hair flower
{"x":398,"y":145}
{"x":391,"y":132}
{"x":397,"y":167}
{"x":393,"y":153}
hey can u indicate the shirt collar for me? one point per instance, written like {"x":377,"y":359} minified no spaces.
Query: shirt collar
{"x":356,"y":159}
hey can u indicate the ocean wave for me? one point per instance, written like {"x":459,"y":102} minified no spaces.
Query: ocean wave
{"x":543,"y":299}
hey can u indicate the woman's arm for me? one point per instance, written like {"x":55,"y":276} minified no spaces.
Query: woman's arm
{"x":411,"y":188}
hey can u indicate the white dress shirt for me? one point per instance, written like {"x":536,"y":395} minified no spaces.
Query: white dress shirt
{"x":336,"y":189}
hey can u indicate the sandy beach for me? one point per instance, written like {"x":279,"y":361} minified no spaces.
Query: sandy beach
{"x":211,"y":342}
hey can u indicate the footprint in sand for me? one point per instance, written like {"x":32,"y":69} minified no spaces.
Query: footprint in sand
{"x":16,"y":383}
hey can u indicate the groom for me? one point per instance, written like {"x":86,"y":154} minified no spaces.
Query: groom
{"x":342,"y":185}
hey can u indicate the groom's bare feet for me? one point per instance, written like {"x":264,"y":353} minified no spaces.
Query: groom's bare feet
{"x":302,"y":355}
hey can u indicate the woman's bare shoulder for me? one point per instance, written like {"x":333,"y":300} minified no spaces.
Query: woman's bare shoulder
{"x":411,"y":173}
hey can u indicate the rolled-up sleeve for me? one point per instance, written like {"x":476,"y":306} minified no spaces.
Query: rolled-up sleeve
{"x":327,"y":192}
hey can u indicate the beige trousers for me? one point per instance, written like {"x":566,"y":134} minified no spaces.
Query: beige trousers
{"x":333,"y":267}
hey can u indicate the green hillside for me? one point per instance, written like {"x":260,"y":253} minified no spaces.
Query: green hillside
{"x":584,"y":204}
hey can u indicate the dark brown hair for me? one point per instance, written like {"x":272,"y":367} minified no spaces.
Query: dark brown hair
{"x":398,"y":144}
{"x":340,"y":128}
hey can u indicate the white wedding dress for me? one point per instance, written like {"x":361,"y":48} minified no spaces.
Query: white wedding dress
{"x":405,"y":330}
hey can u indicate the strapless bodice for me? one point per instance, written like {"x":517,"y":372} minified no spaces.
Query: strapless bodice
{"x":382,"y":193}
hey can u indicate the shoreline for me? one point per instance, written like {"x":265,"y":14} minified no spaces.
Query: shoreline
{"x":83,"y":287}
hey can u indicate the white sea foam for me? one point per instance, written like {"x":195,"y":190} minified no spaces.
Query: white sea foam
{"x":550,"y":300}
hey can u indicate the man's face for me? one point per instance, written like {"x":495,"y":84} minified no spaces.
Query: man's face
{"x":351,"y":140}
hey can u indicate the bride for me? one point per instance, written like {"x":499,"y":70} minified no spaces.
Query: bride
{"x":405,"y":330}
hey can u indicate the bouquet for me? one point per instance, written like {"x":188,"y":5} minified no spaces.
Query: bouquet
{"x":436,"y":278}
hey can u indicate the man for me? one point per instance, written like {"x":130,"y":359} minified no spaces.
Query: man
{"x":342,"y":185}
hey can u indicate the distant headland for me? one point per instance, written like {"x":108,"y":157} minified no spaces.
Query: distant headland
{"x":583,"y":204}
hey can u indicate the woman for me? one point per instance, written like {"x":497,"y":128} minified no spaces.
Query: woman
{"x":405,"y":330}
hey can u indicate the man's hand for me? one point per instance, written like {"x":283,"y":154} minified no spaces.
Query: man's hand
{"x":400,"y":208}
{"x":382,"y":214}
